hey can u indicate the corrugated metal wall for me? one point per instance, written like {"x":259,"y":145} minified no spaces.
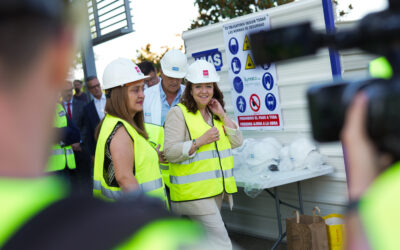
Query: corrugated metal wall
{"x":258,"y":216}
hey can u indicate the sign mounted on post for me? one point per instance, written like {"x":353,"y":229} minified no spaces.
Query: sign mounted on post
{"x":255,"y":94}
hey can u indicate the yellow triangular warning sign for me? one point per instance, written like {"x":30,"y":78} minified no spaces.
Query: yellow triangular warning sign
{"x":246,"y":44}
{"x":249,"y":63}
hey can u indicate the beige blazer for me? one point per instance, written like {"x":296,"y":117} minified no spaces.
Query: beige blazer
{"x":177,"y":145}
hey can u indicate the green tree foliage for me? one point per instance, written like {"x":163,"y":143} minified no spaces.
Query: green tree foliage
{"x":146,"y":54}
{"x":213,"y":11}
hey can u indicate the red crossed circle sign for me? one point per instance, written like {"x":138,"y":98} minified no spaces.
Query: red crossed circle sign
{"x":255,"y":102}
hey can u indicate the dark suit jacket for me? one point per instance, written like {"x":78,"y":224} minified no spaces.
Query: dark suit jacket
{"x":91,"y":121}
{"x":77,"y":114}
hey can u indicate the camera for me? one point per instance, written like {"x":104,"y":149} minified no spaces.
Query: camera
{"x":377,"y":33}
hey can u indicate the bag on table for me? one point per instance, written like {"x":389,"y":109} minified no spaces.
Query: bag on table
{"x":335,"y":228}
{"x":306,"y":232}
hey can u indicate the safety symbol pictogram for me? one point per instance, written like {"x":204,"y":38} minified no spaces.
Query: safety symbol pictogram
{"x":246,"y":44}
{"x":233,"y":46}
{"x":238,"y":84}
{"x":236,"y":65}
{"x":255,"y":102}
{"x":266,"y":66}
{"x":249,"y":63}
{"x":268,"y":81}
{"x":241,"y":104}
{"x":270,"y":102}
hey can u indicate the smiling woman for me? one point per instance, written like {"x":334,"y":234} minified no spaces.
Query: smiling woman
{"x":124,"y":160}
{"x":199,"y":137}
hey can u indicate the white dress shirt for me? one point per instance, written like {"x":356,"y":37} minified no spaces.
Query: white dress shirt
{"x":100,"y":105}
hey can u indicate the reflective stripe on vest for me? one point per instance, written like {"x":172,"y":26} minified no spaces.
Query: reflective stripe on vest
{"x":69,"y":151}
{"x":147,"y":171}
{"x":164,"y":167}
{"x":201,"y":176}
{"x":210,"y":171}
{"x":115,"y":194}
{"x":58,"y":151}
{"x":205,"y":155}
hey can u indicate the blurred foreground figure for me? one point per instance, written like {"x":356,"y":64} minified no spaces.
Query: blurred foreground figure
{"x":374,"y":184}
{"x":36,"y":50}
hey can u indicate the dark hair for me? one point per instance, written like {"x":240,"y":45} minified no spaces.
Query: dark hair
{"x":17,"y":53}
{"x":117,"y":105}
{"x":188,"y":100}
{"x":89,"y":78}
{"x":40,"y":21}
{"x":146,"y":67}
{"x":76,"y":80}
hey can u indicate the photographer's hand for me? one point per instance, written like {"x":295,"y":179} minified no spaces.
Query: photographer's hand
{"x":361,"y":154}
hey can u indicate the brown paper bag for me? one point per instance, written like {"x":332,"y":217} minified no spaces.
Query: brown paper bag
{"x":306,"y":232}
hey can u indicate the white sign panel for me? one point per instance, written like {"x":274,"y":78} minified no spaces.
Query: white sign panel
{"x":255,"y":93}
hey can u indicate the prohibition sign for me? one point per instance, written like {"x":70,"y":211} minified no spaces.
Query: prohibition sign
{"x":255,"y":102}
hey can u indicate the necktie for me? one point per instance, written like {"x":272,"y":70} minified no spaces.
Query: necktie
{"x":69,"y":110}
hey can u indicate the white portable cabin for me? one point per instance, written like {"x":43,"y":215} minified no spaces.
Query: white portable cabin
{"x":258,"y":216}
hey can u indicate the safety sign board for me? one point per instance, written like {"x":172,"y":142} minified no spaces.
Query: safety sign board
{"x":213,"y":56}
{"x":255,"y":92}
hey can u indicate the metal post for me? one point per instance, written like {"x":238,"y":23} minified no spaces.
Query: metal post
{"x":88,"y":62}
{"x":300,"y":197}
{"x":330,"y":29}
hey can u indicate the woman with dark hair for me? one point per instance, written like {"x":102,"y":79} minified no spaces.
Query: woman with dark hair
{"x":124,"y":159}
{"x":199,"y":137}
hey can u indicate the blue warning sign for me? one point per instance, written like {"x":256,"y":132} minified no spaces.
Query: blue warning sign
{"x":236,"y":65}
{"x":270,"y":102}
{"x":266,"y":66}
{"x":233,"y":46}
{"x":241,"y":104}
{"x":213,"y":56}
{"x":268,"y":81}
{"x":238,"y":84}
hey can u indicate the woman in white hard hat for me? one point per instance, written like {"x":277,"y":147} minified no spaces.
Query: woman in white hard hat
{"x":199,"y":137}
{"x":124,"y":160}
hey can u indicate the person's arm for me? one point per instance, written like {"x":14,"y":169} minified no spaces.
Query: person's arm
{"x":231,"y":128}
{"x":121,"y":149}
{"x":362,"y":165}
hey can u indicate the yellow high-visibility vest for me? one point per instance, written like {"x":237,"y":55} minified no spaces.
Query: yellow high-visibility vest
{"x":146,"y":170}
{"x":210,"y":171}
{"x":156,"y":136}
{"x":61,"y":157}
{"x":379,"y":210}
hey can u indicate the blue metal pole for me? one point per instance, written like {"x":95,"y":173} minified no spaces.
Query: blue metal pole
{"x":329,"y":16}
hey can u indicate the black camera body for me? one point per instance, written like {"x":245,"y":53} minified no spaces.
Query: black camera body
{"x":377,"y":33}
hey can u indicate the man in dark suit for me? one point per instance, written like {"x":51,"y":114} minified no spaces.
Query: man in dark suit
{"x":75,"y":111}
{"x":93,"y":112}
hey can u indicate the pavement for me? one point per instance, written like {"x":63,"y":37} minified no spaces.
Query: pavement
{"x":247,"y":242}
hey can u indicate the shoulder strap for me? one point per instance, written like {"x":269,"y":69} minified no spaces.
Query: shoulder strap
{"x":86,"y":223}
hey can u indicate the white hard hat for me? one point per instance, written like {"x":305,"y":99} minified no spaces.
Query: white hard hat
{"x":261,"y":153}
{"x":120,"y":72}
{"x":299,"y":150}
{"x":202,"y":71}
{"x":174,"y":64}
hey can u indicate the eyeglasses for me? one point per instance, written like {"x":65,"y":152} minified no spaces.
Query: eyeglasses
{"x":94,"y":86}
